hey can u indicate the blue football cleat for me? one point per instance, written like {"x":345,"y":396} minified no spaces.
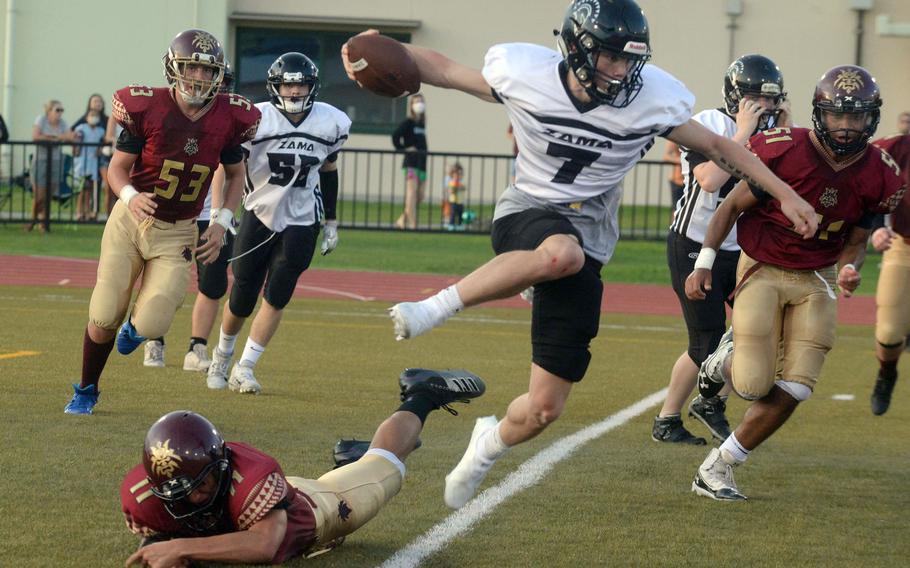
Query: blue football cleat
{"x":83,"y":401}
{"x":128,"y":339}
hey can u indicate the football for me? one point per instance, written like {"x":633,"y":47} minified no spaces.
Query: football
{"x":382,"y":65}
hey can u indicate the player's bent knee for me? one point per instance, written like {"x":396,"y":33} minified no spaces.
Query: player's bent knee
{"x":798,"y":391}
{"x":751,"y":390}
{"x":560,"y":258}
{"x":242,"y":304}
{"x":108,"y":322}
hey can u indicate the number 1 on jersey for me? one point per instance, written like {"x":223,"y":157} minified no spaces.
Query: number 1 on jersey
{"x":577,"y":160}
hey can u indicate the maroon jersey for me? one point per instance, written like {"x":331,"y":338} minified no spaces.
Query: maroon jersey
{"x":258,"y":486}
{"x":898,"y":146}
{"x":844,"y":194}
{"x":180,"y":154}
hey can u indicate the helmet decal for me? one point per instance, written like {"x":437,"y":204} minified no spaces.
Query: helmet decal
{"x":848,"y":80}
{"x":584,"y":9}
{"x":204,"y":41}
{"x":164,"y":459}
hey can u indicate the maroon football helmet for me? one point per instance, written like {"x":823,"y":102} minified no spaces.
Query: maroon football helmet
{"x":846,"y":89}
{"x":182,"y":449}
{"x":197,"y":47}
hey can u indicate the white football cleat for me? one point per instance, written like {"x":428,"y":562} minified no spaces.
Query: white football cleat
{"x":197,"y":359}
{"x":711,"y":377}
{"x":217,"y":374}
{"x":714,"y":478}
{"x":463,"y":481}
{"x":243,"y":381}
{"x":412,"y":319}
{"x":154,"y":354}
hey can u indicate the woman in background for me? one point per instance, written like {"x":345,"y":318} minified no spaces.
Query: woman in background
{"x":411,"y":137}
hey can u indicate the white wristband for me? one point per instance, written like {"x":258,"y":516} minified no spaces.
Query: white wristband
{"x":851,"y":265}
{"x":224,"y":217}
{"x":127,"y":193}
{"x":705,"y":258}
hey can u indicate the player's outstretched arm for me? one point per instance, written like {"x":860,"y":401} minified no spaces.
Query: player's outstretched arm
{"x":738,"y":161}
{"x":257,"y":545}
{"x":740,"y":199}
{"x":438,"y":70}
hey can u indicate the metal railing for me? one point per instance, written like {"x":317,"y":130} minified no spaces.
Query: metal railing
{"x":371,"y":192}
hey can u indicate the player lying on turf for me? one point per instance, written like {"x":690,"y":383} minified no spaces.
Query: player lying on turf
{"x":197,"y":497}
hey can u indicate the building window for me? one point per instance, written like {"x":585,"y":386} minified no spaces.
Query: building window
{"x":257,"y":47}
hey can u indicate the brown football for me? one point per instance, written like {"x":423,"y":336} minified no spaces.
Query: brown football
{"x":382,"y":65}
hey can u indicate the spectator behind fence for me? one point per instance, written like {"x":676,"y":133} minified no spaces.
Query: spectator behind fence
{"x":96,"y":103}
{"x":411,"y":137}
{"x":86,"y":174}
{"x":671,"y":154}
{"x":455,"y":189}
{"x":47,"y":159}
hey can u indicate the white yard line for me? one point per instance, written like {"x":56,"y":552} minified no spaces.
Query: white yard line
{"x":528,"y":474}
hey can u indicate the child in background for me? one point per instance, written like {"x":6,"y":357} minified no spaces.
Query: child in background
{"x":85,"y":170}
{"x":456,"y":189}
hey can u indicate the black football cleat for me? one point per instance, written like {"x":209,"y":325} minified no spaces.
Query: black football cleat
{"x":349,"y":451}
{"x":442,"y":387}
{"x":670,"y":429}
{"x":711,"y":413}
{"x":881,"y":394}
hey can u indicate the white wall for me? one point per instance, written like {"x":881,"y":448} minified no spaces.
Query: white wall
{"x":68,"y":50}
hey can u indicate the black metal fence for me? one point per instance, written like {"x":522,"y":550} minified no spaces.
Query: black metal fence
{"x":371,"y":193}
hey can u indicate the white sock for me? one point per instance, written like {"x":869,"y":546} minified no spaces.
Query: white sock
{"x":226,"y":342}
{"x":444,"y":304}
{"x":734,"y":449}
{"x":490,"y":446}
{"x":251,"y":353}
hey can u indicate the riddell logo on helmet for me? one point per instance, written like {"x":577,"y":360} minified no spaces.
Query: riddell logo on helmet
{"x":636,"y":47}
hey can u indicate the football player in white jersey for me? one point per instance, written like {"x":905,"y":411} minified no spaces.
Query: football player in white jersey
{"x":292,"y":184}
{"x":754,"y":100}
{"x":582,"y":118}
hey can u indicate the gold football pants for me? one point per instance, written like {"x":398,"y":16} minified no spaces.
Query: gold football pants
{"x":783,"y":326}
{"x":347,"y":497}
{"x":892,"y":297}
{"x":162,"y":252}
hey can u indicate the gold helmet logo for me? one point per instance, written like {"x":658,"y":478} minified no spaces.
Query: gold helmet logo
{"x":848,"y":81}
{"x":204,"y":41}
{"x":164,"y":460}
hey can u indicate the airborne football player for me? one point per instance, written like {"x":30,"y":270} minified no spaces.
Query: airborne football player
{"x":785,"y":309}
{"x":172,"y":141}
{"x":583,"y":117}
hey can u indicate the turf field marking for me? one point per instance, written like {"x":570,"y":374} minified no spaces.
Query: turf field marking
{"x":843,"y":397}
{"x":528,"y":474}
{"x":337,"y":293}
{"x":15,"y":354}
{"x":63,"y":282}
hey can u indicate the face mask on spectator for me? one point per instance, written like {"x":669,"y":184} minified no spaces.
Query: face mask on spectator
{"x":419,"y":107}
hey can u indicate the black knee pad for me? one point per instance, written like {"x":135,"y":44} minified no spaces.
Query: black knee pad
{"x":565,"y":318}
{"x":243,"y":298}
{"x":565,"y":361}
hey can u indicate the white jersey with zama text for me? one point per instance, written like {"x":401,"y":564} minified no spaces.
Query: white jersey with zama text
{"x":282,"y":185}
{"x":696,"y":207}
{"x":568,"y":152}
